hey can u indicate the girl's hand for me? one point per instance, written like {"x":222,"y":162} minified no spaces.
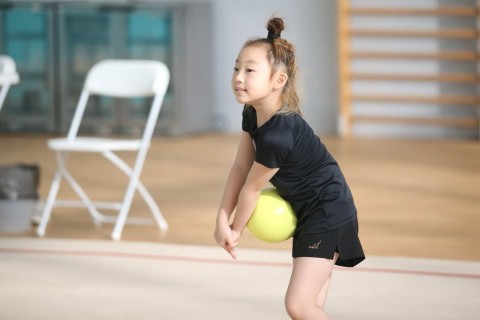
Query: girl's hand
{"x":226,"y":239}
{"x":236,"y":235}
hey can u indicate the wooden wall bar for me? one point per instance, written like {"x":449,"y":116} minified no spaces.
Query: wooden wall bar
{"x":462,"y":30}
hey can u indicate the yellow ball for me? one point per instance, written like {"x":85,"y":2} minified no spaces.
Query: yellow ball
{"x":273,"y":219}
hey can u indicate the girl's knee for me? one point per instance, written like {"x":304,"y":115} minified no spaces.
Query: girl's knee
{"x":299,"y":309}
{"x":293,"y":310}
{"x":294,"y":307}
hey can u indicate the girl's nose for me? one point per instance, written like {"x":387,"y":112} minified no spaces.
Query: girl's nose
{"x":238,"y":78}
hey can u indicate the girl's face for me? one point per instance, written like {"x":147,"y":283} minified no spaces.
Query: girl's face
{"x":252,"y":81}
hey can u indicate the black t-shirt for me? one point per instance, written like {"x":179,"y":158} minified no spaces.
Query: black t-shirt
{"x":308,"y":176}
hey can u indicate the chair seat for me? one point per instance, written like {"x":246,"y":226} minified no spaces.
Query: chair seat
{"x":87,"y":144}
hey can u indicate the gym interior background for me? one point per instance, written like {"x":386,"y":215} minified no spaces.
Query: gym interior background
{"x":377,"y":70}
{"x":391,"y":86}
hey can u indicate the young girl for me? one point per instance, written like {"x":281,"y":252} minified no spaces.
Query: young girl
{"x":277,"y":145}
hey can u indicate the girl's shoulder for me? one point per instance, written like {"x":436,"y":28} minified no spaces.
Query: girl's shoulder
{"x":287,"y":121}
{"x":280,"y":127}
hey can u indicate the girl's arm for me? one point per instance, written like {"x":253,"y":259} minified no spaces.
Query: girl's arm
{"x":236,"y":179}
{"x":257,"y":179}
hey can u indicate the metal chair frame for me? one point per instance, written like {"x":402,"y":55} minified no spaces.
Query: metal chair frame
{"x":120,"y":79}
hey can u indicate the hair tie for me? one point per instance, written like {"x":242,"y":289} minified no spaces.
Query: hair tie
{"x":272,"y":36}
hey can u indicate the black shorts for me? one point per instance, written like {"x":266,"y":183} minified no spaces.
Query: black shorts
{"x":343,"y":240}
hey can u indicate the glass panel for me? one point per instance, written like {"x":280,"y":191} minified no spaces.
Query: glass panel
{"x":86,"y":41}
{"x":150,"y":37}
{"x":96,"y":33}
{"x":55,"y":45}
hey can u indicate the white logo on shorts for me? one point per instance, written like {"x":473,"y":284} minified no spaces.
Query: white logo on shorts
{"x":315,"y":246}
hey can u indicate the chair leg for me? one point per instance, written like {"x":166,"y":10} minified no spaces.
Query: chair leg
{"x":157,"y":214}
{"x":96,"y":216}
{"x":126,"y":204}
{"x":47,"y":209}
{"x":135,"y":183}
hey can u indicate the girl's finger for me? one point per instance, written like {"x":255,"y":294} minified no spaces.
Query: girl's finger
{"x":231,"y":251}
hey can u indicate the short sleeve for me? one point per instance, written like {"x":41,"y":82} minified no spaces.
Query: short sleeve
{"x":249,"y":119}
{"x":275,"y":145}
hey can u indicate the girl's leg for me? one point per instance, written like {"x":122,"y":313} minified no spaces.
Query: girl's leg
{"x":322,"y":296}
{"x":309,"y":277}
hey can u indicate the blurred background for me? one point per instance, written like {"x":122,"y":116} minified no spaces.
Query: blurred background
{"x":368,"y":67}
{"x":392,"y":88}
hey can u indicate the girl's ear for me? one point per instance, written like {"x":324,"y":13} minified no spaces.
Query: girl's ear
{"x":281,"y":80}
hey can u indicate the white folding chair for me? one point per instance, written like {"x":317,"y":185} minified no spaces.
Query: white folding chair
{"x":121,"y":79}
{"x":8,"y":76}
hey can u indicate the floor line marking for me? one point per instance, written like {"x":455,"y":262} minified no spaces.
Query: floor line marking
{"x":230,"y":262}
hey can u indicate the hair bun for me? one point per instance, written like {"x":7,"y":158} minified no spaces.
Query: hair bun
{"x":275,"y":26}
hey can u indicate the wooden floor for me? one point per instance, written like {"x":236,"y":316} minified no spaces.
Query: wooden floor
{"x":416,"y":198}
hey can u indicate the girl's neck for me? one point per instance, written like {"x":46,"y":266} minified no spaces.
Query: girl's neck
{"x":266,"y":112}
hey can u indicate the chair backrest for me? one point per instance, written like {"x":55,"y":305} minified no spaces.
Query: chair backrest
{"x":124,"y":79}
{"x":127,"y":78}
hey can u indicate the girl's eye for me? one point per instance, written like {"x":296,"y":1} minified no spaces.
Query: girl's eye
{"x":249,"y":70}
{"x":235,"y":69}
